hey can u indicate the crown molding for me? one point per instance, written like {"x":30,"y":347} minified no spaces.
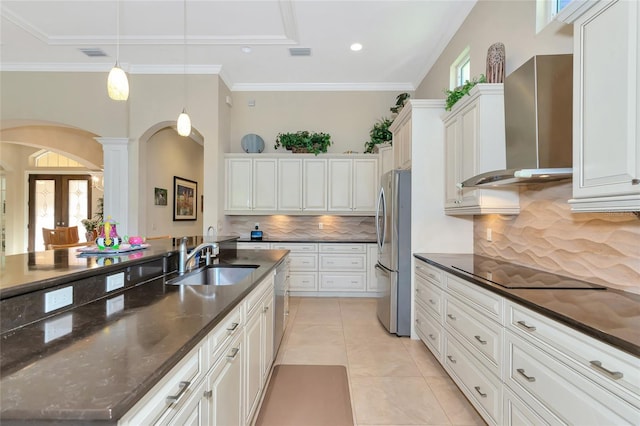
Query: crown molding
{"x":323,"y":87}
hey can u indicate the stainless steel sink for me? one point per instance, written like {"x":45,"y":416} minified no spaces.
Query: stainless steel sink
{"x":215,"y":275}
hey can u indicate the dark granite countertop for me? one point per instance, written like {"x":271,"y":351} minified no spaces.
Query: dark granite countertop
{"x":310,"y":240}
{"x":109,"y":359}
{"x":610,"y":315}
{"x":27,"y":272}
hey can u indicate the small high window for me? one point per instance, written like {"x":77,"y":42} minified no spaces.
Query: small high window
{"x":546,"y":10}
{"x":460,"y":69}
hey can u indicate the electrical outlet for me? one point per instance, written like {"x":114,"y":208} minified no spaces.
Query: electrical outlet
{"x":56,"y":328}
{"x":321,"y":226}
{"x":58,"y":299}
{"x":489,"y":235}
{"x":115,"y":281}
{"x":115,"y":304}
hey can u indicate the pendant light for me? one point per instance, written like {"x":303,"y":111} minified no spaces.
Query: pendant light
{"x":184,"y":122}
{"x":117,"y":82}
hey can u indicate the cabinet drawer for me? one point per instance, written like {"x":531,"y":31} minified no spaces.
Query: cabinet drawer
{"x":162,"y":402}
{"x":517,"y":413}
{"x":343,"y":262}
{"x":606,"y":365}
{"x":429,"y":272}
{"x":430,"y":297}
{"x":342,"y":248}
{"x":254,"y":298}
{"x":224,"y":332}
{"x":566,"y":393}
{"x":303,"y":262}
{"x":477,"y":383}
{"x":295,"y":247}
{"x":343,"y":281}
{"x":303,"y":282}
{"x":484,"y":335}
{"x":253,"y":246}
{"x":484,"y":301}
{"x":429,"y":331}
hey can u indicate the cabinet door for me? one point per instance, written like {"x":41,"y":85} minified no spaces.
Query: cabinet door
{"x":314,"y":185}
{"x":468,"y":146}
{"x":267,"y":318}
{"x":238,"y":172}
{"x":365,"y":185}
{"x":265,"y":184}
{"x":385,"y":159}
{"x":253,"y":370}
{"x":289,"y":184}
{"x":225,"y":386}
{"x":453,"y":163}
{"x":606,"y":156}
{"x":340,"y":184}
{"x":372,"y":259}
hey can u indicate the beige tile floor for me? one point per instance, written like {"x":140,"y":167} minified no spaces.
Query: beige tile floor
{"x":394,"y":381}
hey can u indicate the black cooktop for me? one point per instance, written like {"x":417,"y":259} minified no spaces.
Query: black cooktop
{"x":513,"y":276}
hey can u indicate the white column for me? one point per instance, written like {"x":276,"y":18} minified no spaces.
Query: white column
{"x":116,"y":181}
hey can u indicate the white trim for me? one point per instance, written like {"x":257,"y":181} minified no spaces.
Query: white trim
{"x":322,"y":87}
{"x":463,"y":57}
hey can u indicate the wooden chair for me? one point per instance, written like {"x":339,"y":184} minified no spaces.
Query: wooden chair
{"x":62,"y":246}
{"x":53,"y":236}
{"x":70,"y":234}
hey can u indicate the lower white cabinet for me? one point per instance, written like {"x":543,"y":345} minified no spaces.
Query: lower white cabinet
{"x":220,"y":382}
{"x":518,"y":367}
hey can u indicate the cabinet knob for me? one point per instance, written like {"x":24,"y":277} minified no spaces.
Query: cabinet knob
{"x":635,"y":181}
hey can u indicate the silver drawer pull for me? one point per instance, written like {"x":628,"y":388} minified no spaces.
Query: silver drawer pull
{"x":233,"y":326}
{"x":183,"y":388}
{"x":615,"y":375}
{"x":451,"y":316}
{"x":483,"y":395}
{"x":266,"y":308}
{"x":529,"y":378}
{"x":432,"y":301}
{"x":417,"y":290}
{"x":479,"y":339}
{"x":525,"y":326}
{"x":208,"y":394}
{"x":431,"y":276}
{"x":453,"y":361}
{"x":417,"y":320}
{"x":432,"y":337}
{"x":233,"y":354}
{"x":354,"y":263}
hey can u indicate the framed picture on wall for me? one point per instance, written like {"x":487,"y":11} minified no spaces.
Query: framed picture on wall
{"x":160,"y":196}
{"x":185,"y":199}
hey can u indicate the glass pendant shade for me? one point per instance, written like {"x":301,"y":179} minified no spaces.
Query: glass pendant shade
{"x":184,"y":124}
{"x":118,"y":84}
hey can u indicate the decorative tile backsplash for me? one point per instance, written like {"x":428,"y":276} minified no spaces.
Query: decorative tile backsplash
{"x":281,"y":226}
{"x":602,"y":248}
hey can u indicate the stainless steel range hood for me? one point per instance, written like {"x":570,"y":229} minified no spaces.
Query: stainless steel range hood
{"x":538,"y":104}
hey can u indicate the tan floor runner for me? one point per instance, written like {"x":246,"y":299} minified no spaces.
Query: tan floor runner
{"x":307,"y":395}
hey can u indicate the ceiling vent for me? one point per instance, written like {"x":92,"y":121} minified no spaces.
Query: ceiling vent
{"x":300,"y":51}
{"x":93,"y":52}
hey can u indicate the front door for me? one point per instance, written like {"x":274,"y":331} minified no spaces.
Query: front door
{"x":57,"y":200}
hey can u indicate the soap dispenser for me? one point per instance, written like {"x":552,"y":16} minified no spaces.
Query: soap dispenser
{"x":256,"y":234}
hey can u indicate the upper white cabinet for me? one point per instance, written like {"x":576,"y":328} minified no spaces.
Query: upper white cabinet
{"x":402,"y":137}
{"x":606,"y":88}
{"x":301,"y":184}
{"x":474,"y":144}
{"x":353,"y":185}
{"x":385,"y":158}
{"x":251,"y":184}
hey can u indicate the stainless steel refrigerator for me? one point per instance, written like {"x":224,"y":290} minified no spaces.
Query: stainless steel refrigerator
{"x":393,"y":270}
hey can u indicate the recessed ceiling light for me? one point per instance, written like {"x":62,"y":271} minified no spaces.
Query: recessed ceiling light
{"x":246,"y":49}
{"x":356,"y":47}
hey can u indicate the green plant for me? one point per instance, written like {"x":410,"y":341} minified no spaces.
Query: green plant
{"x":379,"y":133}
{"x":454,"y":95}
{"x":304,"y":141}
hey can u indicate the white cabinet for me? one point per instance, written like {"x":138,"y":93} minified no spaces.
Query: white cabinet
{"x":372,"y":260}
{"x":251,"y":184}
{"x":303,"y":266}
{"x":517,"y":366}
{"x":343,"y":267}
{"x":474,"y":144}
{"x":606,"y":106}
{"x":385,"y":159}
{"x":224,"y":386}
{"x":289,"y":184}
{"x":314,"y":185}
{"x":402,"y":131}
{"x":353,"y":185}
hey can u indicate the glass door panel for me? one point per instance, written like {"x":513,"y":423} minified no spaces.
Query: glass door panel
{"x":45,"y":205}
{"x":78,"y":205}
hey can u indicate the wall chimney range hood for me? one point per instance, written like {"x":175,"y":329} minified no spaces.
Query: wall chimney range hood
{"x":538,"y":104}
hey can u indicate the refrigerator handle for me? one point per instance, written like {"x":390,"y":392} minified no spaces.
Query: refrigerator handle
{"x":380,"y":210}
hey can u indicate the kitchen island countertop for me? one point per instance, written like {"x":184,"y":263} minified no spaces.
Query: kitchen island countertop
{"x":611,"y":315}
{"x":109,"y":358}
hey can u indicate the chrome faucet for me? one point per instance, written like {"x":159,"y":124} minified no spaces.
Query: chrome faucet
{"x":184,"y":258}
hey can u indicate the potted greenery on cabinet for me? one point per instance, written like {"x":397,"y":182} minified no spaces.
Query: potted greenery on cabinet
{"x":380,"y":133}
{"x":304,"y":141}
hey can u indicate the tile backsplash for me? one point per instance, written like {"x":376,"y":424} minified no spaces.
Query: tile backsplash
{"x":602,"y":248}
{"x":282,"y":226}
